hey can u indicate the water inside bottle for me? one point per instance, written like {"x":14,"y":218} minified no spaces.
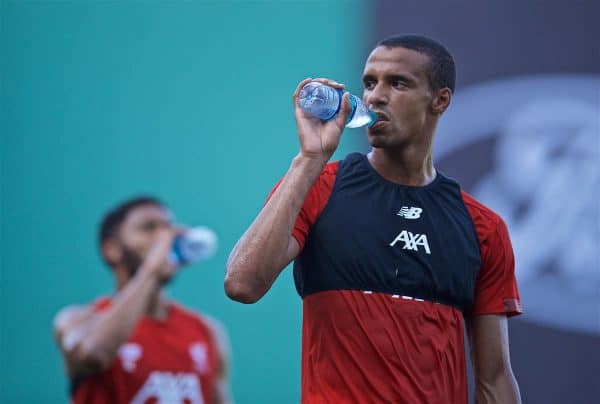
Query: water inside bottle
{"x":362,"y":115}
{"x":319,"y":100}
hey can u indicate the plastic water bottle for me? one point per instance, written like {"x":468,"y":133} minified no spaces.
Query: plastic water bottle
{"x":194,"y":244}
{"x":325,"y":102}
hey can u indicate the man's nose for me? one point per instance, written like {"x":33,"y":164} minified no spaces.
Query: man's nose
{"x":376,"y":96}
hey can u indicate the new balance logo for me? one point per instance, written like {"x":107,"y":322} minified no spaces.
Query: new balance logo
{"x":412,"y":241}
{"x":410,"y":213}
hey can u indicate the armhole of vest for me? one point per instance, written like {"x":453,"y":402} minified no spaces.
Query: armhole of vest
{"x":335,"y":181}
{"x":350,"y":158}
{"x":464,"y":195}
{"x":471,"y":218}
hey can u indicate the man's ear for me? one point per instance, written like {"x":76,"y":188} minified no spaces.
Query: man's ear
{"x":441,"y":100}
{"x":112,"y":252}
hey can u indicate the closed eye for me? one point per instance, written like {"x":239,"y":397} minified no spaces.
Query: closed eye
{"x":152,"y":225}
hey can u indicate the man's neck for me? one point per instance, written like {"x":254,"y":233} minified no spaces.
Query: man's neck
{"x":411,"y":165}
{"x":158,"y":306}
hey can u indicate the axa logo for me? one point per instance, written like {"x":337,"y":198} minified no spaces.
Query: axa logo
{"x":169,"y":387}
{"x":412,"y":241}
{"x":410,"y":212}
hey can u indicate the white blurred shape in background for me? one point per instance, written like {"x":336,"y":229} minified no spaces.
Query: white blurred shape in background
{"x":544,"y":182}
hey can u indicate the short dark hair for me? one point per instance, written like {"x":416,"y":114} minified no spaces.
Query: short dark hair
{"x":442,"y":72}
{"x":112,"y":220}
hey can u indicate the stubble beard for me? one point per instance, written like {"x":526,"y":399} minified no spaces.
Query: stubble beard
{"x":131,"y":260}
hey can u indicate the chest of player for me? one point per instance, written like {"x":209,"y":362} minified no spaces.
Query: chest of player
{"x":378,"y":236}
{"x":162,"y":362}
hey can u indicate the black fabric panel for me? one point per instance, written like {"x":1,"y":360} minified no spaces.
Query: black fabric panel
{"x":349,"y":248}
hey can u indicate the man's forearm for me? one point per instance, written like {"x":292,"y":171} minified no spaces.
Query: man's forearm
{"x":262,"y":252}
{"x":504,"y":389}
{"x":110,"y":328}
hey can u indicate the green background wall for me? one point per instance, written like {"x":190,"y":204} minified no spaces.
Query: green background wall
{"x":189,"y":101}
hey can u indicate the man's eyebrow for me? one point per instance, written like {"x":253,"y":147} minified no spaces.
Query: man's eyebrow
{"x":400,"y":77}
{"x":390,"y":77}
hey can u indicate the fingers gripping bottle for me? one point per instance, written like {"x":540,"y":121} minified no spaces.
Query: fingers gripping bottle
{"x":325,"y":102}
{"x":198,"y":243}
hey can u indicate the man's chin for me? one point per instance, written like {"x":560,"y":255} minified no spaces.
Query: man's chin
{"x":377,"y":140}
{"x":386,"y":140}
{"x":375,"y":133}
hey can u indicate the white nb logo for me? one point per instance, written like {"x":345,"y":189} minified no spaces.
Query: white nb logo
{"x":410,"y":213}
{"x":412,"y":241}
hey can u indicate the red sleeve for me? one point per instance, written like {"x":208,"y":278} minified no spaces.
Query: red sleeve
{"x":315,"y":201}
{"x":496,"y":291}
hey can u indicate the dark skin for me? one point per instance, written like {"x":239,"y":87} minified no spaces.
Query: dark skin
{"x":396,"y":86}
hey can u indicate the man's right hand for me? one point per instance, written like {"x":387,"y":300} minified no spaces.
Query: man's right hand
{"x":320,"y":139}
{"x":157,"y":260}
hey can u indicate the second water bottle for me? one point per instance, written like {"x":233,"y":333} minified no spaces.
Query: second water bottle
{"x":193,"y":245}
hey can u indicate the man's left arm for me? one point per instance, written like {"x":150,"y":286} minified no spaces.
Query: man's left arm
{"x":496,"y":299}
{"x":494,"y":378}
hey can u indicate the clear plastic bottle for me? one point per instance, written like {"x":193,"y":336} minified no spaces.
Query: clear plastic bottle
{"x":194,"y":244}
{"x":325,"y":102}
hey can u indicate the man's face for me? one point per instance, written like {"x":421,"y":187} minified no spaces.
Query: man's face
{"x":138,"y":232}
{"x":396,"y":87}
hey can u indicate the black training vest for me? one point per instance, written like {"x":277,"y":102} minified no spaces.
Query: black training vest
{"x":374,"y":235}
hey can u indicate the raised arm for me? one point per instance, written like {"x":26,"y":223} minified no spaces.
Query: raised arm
{"x":495,"y":382}
{"x":268,"y":246}
{"x":89,"y":339}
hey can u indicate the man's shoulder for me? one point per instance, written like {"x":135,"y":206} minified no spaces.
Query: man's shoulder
{"x":331,"y":168}
{"x":327,"y":177}
{"x":194,"y":316}
{"x":75,"y":312}
{"x":67,"y":314}
{"x":485,"y":219}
